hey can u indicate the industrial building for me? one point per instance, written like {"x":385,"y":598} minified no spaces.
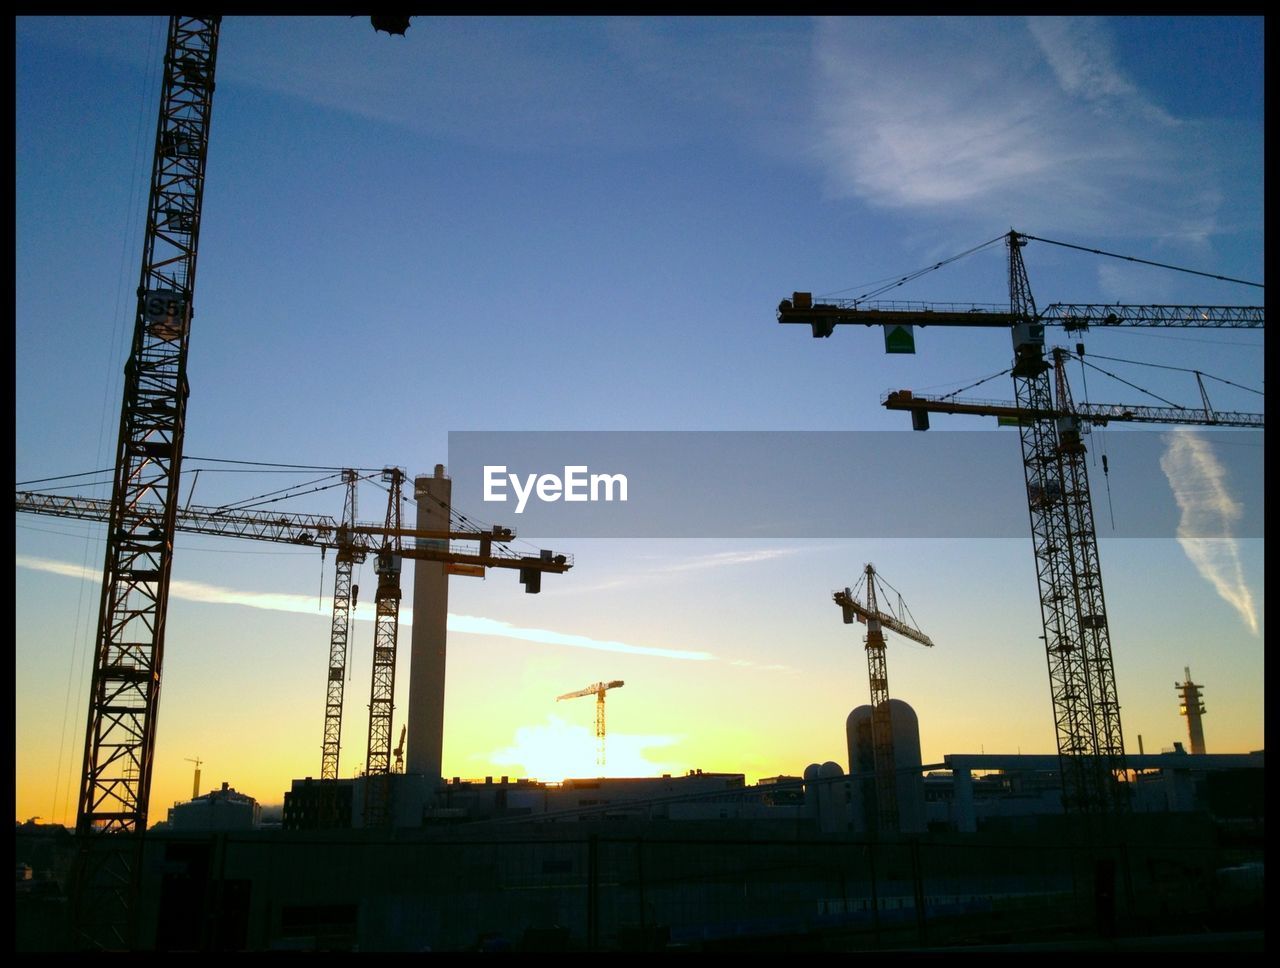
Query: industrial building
{"x":705,"y":861}
{"x":219,"y":810}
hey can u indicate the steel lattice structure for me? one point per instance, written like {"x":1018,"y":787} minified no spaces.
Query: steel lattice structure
{"x":881,"y":719}
{"x":383,"y":684}
{"x":1093,"y":413}
{"x":1093,"y":630}
{"x":125,"y":691}
{"x":312,"y":530}
{"x":347,"y":557}
{"x":1072,"y":317}
{"x":882,"y":744}
{"x":1075,"y":317}
{"x":1086,"y":715}
{"x":598,"y":690}
{"x":1086,"y":708}
{"x":353,"y":542}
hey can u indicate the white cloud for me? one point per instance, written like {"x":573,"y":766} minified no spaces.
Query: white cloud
{"x":289,"y":602}
{"x":1026,"y":123}
{"x":1079,"y":50}
{"x":1209,"y":512}
{"x":489,"y":626}
{"x":719,"y":559}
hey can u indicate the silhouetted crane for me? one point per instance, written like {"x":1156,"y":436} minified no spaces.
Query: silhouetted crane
{"x":1077,"y":637}
{"x":870,"y":615}
{"x":598,"y":690}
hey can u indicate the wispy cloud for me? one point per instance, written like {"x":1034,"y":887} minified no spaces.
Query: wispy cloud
{"x":488,"y":626}
{"x":1205,"y":529}
{"x":761,"y":666}
{"x":1018,"y":122}
{"x":719,"y":559}
{"x":289,"y":602}
{"x":1079,"y":49}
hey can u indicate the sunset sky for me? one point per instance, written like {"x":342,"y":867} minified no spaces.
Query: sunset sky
{"x":511,"y":224}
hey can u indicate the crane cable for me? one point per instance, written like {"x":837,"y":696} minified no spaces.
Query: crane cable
{"x":977,"y":384}
{"x":1102,"y":441}
{"x":1181,"y":369}
{"x":893,"y":282}
{"x":63,"y":477}
{"x":244,"y":503}
{"x":298,"y":467}
{"x":1176,"y":406}
{"x":465,"y":522}
{"x":901,"y":603}
{"x":1145,"y":262}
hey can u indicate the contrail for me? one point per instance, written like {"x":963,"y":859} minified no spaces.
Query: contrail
{"x":193,"y":591}
{"x":1199,"y":486}
{"x":489,"y":626}
{"x":698,"y":562}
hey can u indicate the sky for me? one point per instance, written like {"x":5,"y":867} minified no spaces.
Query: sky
{"x":531,"y":224}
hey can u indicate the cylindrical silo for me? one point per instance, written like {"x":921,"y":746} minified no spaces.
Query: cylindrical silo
{"x":906,"y":754}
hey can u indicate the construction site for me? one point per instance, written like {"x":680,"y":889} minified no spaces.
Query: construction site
{"x":818,"y":809}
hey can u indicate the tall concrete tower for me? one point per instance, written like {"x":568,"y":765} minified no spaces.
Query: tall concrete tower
{"x":1193,"y":709}
{"x":427,"y":644}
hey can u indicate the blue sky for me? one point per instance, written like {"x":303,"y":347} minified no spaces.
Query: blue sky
{"x":586,"y":224}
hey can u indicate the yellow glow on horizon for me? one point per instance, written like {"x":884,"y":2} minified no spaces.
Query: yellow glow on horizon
{"x":556,"y":750}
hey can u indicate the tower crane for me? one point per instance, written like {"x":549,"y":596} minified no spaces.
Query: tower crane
{"x":598,"y":690}
{"x":120,"y":730}
{"x":870,"y":614}
{"x":399,"y":768}
{"x":353,"y":542}
{"x":1086,"y":708}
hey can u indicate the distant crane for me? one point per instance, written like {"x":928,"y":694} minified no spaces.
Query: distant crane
{"x":195,"y":783}
{"x":399,"y":767}
{"x":1086,"y":708}
{"x":598,"y":690}
{"x":869,"y":613}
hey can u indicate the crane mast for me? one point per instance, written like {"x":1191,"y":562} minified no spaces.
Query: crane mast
{"x":383,"y":681}
{"x":120,"y":732}
{"x":1085,"y":713}
{"x":347,"y":557}
{"x":120,"y":735}
{"x":881,"y":719}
